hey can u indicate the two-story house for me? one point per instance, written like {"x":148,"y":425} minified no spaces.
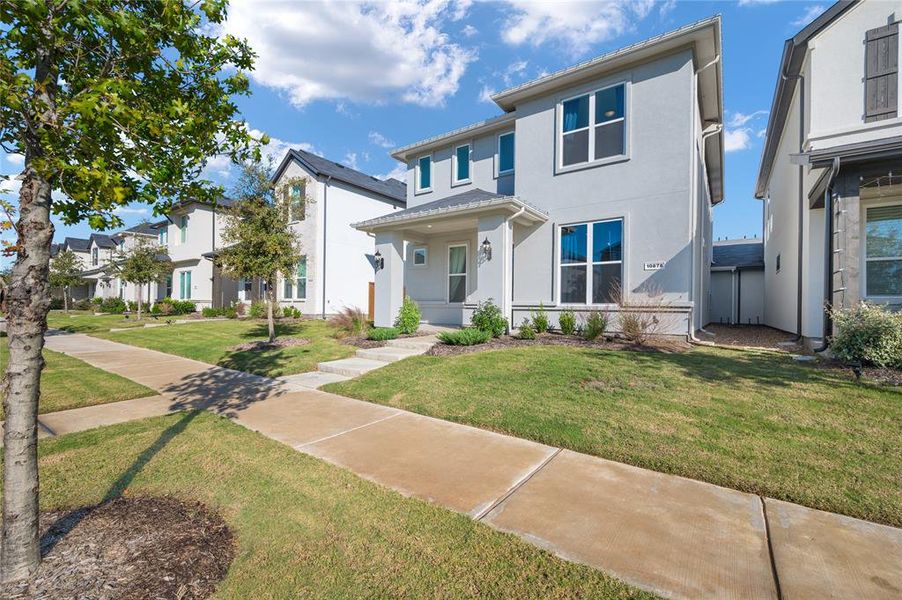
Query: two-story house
{"x":324,"y":198}
{"x":81,"y":248}
{"x":593,"y":191}
{"x":831,"y":170}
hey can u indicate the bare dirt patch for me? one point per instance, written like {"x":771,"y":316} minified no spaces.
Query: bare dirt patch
{"x":267,"y":345}
{"x":749,"y":336}
{"x":143,"y":548}
{"x":662,"y":344}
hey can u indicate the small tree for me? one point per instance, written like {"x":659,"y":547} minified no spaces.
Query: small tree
{"x":258,"y":239}
{"x":141,"y":266}
{"x":65,"y":271}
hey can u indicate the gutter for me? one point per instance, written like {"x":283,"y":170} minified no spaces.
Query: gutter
{"x":828,"y":257}
{"x":325,"y":230}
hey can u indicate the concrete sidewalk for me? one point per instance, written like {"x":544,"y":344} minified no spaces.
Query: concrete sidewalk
{"x":674,"y":536}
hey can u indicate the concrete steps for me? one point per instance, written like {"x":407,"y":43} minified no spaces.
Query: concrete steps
{"x":368,"y":359}
{"x":421,"y":344}
{"x":388,"y":354}
{"x":312,"y":380}
{"x":351,"y":367}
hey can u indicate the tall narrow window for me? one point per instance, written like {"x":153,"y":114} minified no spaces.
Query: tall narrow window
{"x":183,"y":229}
{"x":185,"y":285}
{"x":506,"y":153}
{"x":883,"y":251}
{"x":424,"y":174}
{"x":457,"y":273}
{"x":461,"y":166}
{"x":593,"y":126}
{"x":95,"y":254}
{"x":297,"y":201}
{"x":164,"y":236}
{"x":591,"y":262}
{"x":287,"y":287}
{"x":302,"y":279}
{"x":168,"y":286}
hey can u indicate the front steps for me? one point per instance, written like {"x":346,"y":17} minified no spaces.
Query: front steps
{"x":366,"y":360}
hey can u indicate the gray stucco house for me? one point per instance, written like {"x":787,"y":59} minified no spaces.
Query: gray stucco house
{"x":596,"y":179}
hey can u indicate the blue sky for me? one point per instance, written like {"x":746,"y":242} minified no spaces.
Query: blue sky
{"x":349,"y":81}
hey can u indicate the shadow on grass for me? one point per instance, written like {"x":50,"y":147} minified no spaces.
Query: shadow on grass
{"x":262,"y":362}
{"x":260,"y":329}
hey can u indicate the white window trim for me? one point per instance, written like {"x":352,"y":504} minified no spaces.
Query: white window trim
{"x":559,"y":129}
{"x":291,"y":218}
{"x":863,"y":291}
{"x":297,"y":279}
{"x":413,"y":261}
{"x":465,"y":274}
{"x":183,"y":230}
{"x":498,"y":171}
{"x":454,"y":160}
{"x":416,"y":174}
{"x":589,"y":263}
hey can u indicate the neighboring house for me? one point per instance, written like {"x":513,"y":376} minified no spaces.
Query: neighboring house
{"x":598,"y":178}
{"x":324,"y":199}
{"x":82,"y":250}
{"x":831,"y":171}
{"x":125,"y":241}
{"x":101,"y":284}
{"x":737,"y":282}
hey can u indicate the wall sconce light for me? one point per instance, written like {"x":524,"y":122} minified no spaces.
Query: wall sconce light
{"x":487,"y":249}
{"x":379,"y":261}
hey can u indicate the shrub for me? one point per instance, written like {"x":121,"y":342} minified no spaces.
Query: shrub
{"x":290,"y":312}
{"x":526,"y":330}
{"x":487,"y":317}
{"x":257,"y":310}
{"x":183,"y":307}
{"x":567,"y":321}
{"x":637,"y":326}
{"x":226,"y":311}
{"x":465,"y":337}
{"x":56,"y":303}
{"x":540,"y":320}
{"x":351,"y":321}
{"x":408,"y":320}
{"x":132,"y":306}
{"x":115,"y":306}
{"x":381,"y":334}
{"x":83,"y":305}
{"x":596,"y":325}
{"x":868,"y":334}
{"x":240,"y":309}
{"x":96,"y":300}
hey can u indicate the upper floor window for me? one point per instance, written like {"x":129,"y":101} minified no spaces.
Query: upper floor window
{"x":297,"y":200}
{"x":183,"y":229}
{"x":506,"y":153}
{"x":593,"y":126}
{"x":591,"y":262}
{"x":461,"y":166}
{"x":164,"y":236}
{"x":424,"y":174}
{"x":881,"y":82}
{"x":95,"y":256}
{"x":883,"y":251}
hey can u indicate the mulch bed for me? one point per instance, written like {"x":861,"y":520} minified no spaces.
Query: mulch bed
{"x":553,"y":339}
{"x":749,"y":336}
{"x":141,"y":547}
{"x":267,"y":345}
{"x":361,"y":341}
{"x":878,"y":375}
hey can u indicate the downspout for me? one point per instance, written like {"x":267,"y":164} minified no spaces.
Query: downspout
{"x":505,"y":274}
{"x":706,"y":133}
{"x":828,"y":257}
{"x":801,"y":233}
{"x":325,"y":229}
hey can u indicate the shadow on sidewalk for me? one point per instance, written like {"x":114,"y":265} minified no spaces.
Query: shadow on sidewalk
{"x":221,"y":391}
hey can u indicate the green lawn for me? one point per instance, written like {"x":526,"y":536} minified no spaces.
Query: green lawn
{"x":754,"y":421}
{"x":67,"y":382}
{"x":305,"y":528}
{"x":211,"y":342}
{"x":81,"y":321}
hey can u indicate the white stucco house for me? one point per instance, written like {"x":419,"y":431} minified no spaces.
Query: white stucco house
{"x":595,"y":179}
{"x":831,"y":171}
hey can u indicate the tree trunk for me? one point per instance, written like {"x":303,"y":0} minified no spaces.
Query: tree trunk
{"x":270,"y":317}
{"x":27,"y":306}
{"x":66,"y":299}
{"x":140,"y":294}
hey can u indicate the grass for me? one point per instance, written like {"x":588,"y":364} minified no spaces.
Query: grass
{"x":305,"y":528}
{"x":67,"y":382}
{"x":753,"y":421}
{"x":83,"y":321}
{"x":212,"y":342}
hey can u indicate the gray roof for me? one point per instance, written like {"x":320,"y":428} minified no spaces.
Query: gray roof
{"x":55,"y":249}
{"x":794,"y":51}
{"x":482,"y":126}
{"x":77,"y":244}
{"x":103,"y":240}
{"x":471,"y":199}
{"x":391,"y":188}
{"x":739,"y":254}
{"x":143,"y":229}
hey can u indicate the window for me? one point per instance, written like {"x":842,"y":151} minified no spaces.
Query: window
{"x":593,"y":126}
{"x":420,"y":257}
{"x":424,"y":174}
{"x":778,"y":263}
{"x":164,"y":236}
{"x":297,"y":202}
{"x":302,"y":279}
{"x":287,"y":288}
{"x":95,"y":256}
{"x":185,"y":285}
{"x":506,"y":153}
{"x":883,"y":251}
{"x":183,"y":229}
{"x":457,"y":273}
{"x":461,"y":166}
{"x":591,"y":264}
{"x":168,"y":286}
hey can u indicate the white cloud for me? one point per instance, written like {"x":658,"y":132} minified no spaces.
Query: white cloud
{"x":220,"y":167}
{"x":399,"y":173}
{"x":17,"y":160}
{"x":350,"y":160}
{"x":128,"y":210}
{"x":363,"y":52}
{"x":810,"y":14}
{"x":377,"y":139}
{"x":486,"y":93}
{"x":754,"y":2}
{"x":574,"y":25}
{"x":736,"y":139}
{"x":468,"y":31}
{"x":739,"y":119}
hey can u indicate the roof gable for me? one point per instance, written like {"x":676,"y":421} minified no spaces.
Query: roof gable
{"x":390,"y":189}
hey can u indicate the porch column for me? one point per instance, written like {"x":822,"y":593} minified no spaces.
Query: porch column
{"x":389,"y":279}
{"x":493,"y":275}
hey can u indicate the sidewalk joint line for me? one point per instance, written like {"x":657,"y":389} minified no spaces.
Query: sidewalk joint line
{"x":770,"y":548}
{"x":329,"y":437}
{"x":514,"y":488}
{"x":46,"y":428}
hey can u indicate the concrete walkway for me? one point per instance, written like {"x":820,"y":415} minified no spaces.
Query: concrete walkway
{"x":677,"y":537}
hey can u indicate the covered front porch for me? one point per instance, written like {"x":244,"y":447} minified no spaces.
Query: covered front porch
{"x":448,"y":255}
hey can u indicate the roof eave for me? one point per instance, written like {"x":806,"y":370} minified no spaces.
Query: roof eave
{"x":511,"y":204}
{"x":405,"y":153}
